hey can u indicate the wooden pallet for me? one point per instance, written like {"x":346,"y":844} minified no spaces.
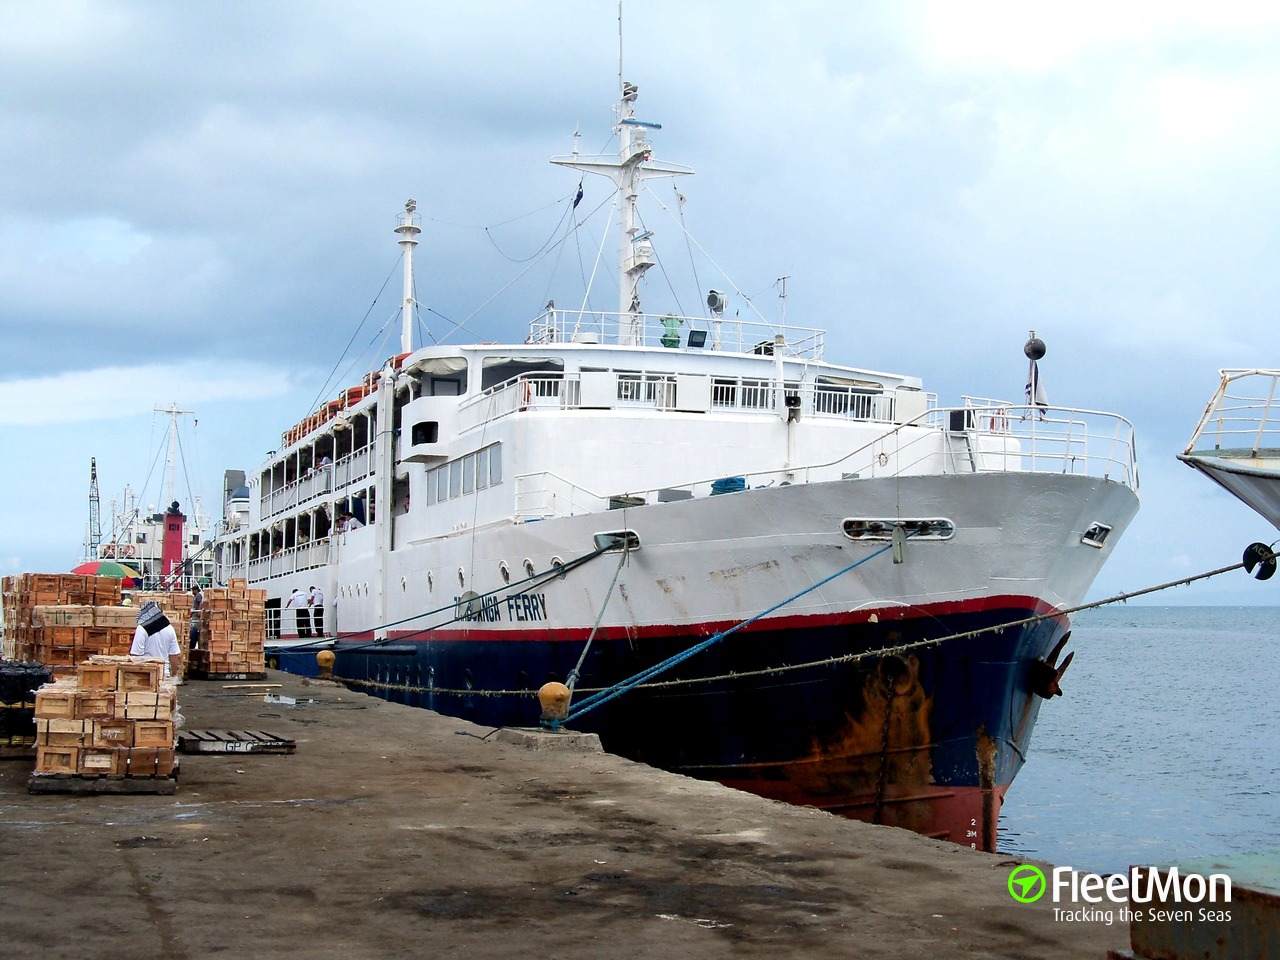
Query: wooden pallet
{"x":207,"y":675}
{"x":84,"y":786}
{"x":233,"y":741}
{"x":18,"y":751}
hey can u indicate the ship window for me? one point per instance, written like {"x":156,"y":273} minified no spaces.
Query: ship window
{"x":466,"y":475}
{"x":140,"y":538}
{"x":426,"y":432}
{"x":496,"y":370}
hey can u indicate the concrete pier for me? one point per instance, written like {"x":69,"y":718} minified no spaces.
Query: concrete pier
{"x":396,"y":832}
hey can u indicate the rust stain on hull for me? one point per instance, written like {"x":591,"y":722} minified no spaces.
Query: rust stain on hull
{"x":877,"y":767}
{"x":986,"y":752}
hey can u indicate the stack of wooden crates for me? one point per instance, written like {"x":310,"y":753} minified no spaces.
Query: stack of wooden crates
{"x":54,"y":619}
{"x":115,"y":718}
{"x":233,"y":633}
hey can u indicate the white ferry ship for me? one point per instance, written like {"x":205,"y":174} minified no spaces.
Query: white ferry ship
{"x":624,"y":488}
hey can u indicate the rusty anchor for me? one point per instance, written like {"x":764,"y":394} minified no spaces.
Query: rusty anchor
{"x":1046,"y":674}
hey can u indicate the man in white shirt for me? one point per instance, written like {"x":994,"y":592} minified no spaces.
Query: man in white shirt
{"x":315,"y":600}
{"x":155,"y":637}
{"x":298,"y":601}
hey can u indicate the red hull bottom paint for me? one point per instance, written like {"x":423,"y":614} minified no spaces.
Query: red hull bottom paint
{"x":964,"y":815}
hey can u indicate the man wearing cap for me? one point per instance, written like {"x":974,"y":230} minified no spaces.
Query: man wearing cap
{"x":155,"y":637}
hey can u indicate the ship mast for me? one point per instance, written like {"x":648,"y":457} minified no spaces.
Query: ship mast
{"x":172,"y":456}
{"x":408,"y":240}
{"x":633,"y":166}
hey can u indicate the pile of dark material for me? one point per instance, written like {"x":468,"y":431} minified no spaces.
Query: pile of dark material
{"x":19,"y":681}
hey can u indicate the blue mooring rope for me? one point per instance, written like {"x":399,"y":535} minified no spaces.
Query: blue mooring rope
{"x":604,"y":696}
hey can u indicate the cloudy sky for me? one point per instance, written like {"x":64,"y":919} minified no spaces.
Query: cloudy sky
{"x":196,"y":203}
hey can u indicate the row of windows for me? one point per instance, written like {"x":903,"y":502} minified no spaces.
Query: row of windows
{"x":475,"y":471}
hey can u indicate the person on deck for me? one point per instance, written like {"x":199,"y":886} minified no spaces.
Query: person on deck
{"x":316,"y":602}
{"x":298,"y":601}
{"x":155,"y":637}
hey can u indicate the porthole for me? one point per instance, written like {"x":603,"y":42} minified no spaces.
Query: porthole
{"x":528,"y":567}
{"x":431,"y":582}
{"x":504,"y":571}
{"x":558,"y":565}
{"x":468,"y":680}
{"x":462,"y":577}
{"x":404,"y":584}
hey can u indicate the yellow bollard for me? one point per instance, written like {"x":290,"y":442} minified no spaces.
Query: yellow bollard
{"x":554,"y":698}
{"x":324,"y":660}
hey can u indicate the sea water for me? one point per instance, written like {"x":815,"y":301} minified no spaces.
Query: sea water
{"x":1165,"y":745}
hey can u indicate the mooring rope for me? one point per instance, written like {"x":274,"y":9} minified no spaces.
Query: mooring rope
{"x":572,"y":680}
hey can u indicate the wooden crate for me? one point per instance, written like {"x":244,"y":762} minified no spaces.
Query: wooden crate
{"x":111,"y":733}
{"x":96,"y":676}
{"x":115,"y":617}
{"x":61,"y":733}
{"x":57,"y":759}
{"x":153,"y":733}
{"x":62,"y":615}
{"x":95,"y":704}
{"x":151,"y":761}
{"x":144,"y":705}
{"x":142,"y":675}
{"x":101,"y":761}
{"x":55,"y":703}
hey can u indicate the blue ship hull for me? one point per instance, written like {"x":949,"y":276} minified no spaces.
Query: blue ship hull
{"x":921,"y":735}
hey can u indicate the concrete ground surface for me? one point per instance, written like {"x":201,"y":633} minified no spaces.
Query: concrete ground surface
{"x":397,"y":832}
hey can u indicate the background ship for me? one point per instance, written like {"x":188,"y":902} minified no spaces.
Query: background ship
{"x":1236,"y":444}
{"x":170,"y":549}
{"x":866,"y":584}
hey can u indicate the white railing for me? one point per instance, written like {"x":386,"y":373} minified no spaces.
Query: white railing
{"x":726,"y":335}
{"x":543,"y":495}
{"x":658,"y":391}
{"x":355,"y":466}
{"x":306,"y":556}
{"x":1244,"y":415}
{"x":969,"y":439}
{"x":1004,"y":438}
